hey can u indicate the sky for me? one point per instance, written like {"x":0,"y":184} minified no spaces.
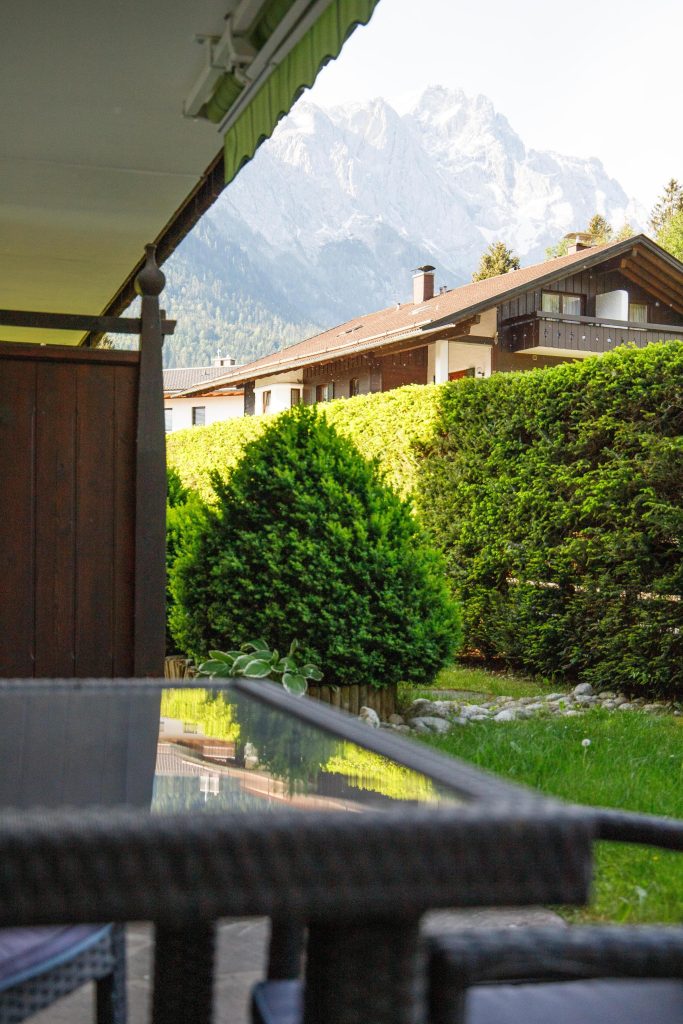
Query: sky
{"x":594,"y":78}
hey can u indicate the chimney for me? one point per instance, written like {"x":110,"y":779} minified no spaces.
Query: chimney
{"x":578,"y":240}
{"x":224,"y":360}
{"x":423,"y":284}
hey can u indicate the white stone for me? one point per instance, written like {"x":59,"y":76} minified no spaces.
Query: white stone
{"x":507,"y":715}
{"x":583,"y":690}
{"x":369,"y":716}
{"x":396,"y":720}
{"x":627,"y":707}
{"x":470,"y":710}
{"x":556,"y":696}
{"x":431,"y":724}
{"x":537,"y":706}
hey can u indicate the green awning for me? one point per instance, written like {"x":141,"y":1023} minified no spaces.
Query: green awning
{"x":322,"y":42}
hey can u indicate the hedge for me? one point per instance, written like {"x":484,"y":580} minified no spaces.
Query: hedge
{"x":383,"y":426}
{"x":556,"y":496}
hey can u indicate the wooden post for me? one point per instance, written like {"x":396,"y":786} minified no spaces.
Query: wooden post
{"x":150,"y":481}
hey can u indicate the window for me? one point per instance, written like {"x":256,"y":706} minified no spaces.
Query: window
{"x":168,"y":420}
{"x":265,"y":401}
{"x":637,"y":312}
{"x":354,"y":387}
{"x":324,"y":392}
{"x":559,"y":303}
{"x":198,"y":415}
{"x":295,"y":396}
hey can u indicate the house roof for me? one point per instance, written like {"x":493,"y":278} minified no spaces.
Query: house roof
{"x":413,"y":321}
{"x":186,"y":376}
{"x":96,"y":155}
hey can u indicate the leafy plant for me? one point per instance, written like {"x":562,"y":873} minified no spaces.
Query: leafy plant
{"x":255,"y":660}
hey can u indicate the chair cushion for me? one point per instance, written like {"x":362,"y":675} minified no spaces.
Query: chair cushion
{"x":603,"y":1001}
{"x":28,"y":952}
{"x":277,"y":1002}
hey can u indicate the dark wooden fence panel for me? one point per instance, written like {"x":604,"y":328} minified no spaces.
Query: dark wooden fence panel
{"x":55,"y":538}
{"x":125,"y":403}
{"x":17,"y":555}
{"x":67,"y":511}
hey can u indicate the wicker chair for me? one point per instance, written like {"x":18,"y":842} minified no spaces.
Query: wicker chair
{"x":40,"y":965}
{"x":587,"y":975}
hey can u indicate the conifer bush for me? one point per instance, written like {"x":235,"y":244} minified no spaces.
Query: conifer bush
{"x":305,"y":539}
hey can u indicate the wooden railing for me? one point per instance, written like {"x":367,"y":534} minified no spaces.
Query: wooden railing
{"x":582,"y":334}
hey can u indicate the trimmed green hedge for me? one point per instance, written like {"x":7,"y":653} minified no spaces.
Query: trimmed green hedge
{"x":382,"y":426}
{"x":556,"y":496}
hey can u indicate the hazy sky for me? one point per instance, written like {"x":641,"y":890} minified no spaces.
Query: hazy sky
{"x":592,"y":78}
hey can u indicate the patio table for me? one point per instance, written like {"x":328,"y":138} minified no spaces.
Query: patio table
{"x":262,"y":804}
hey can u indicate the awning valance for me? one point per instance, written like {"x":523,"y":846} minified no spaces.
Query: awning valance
{"x":320,"y":43}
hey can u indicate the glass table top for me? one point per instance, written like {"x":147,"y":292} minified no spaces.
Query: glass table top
{"x":177,"y":750}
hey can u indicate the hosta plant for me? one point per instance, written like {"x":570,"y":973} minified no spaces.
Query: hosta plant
{"x":255,"y":660}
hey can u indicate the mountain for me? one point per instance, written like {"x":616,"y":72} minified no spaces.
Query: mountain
{"x":334,"y":211}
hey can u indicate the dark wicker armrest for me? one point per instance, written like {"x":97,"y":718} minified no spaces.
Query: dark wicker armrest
{"x":630,"y":827}
{"x":461,"y":959}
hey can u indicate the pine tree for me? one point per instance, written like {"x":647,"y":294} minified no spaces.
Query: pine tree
{"x":599,"y":229}
{"x":497,"y":259}
{"x":625,"y":231}
{"x":668,"y":204}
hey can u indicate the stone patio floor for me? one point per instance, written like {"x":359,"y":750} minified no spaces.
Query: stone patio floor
{"x":241,"y":958}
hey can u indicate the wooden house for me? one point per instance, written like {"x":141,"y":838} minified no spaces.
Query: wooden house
{"x":588,"y":302}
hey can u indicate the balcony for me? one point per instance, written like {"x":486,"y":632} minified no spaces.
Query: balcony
{"x":551,"y":334}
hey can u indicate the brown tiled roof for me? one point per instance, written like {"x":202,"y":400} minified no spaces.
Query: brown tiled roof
{"x":409,"y":320}
{"x":186,"y":376}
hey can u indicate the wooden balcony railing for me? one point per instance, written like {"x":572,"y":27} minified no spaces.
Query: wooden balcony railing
{"x":581,"y":334}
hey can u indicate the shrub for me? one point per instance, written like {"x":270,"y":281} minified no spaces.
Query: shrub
{"x":556,"y":498}
{"x":305,"y":539}
{"x":183,"y":510}
{"x":383,"y":426}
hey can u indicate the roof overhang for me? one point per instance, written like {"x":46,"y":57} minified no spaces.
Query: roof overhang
{"x":388,"y":341}
{"x":662,"y":264}
{"x":96,"y":155}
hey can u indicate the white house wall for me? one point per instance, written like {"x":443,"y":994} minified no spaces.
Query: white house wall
{"x":217,"y":409}
{"x":280,"y":386}
{"x":463,"y":355}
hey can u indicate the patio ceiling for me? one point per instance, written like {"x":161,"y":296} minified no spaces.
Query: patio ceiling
{"x":96,"y":156}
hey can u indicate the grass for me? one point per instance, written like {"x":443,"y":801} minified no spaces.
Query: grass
{"x":479,"y":680}
{"x":634,"y":761}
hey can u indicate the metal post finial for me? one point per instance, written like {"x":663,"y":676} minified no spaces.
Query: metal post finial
{"x":150,"y":280}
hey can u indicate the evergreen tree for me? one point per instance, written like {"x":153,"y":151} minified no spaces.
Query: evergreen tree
{"x":625,"y":231}
{"x":670,"y":235}
{"x":561,"y":249}
{"x":305,"y":541}
{"x":668,"y":204}
{"x":497,"y":259}
{"x":599,"y":229}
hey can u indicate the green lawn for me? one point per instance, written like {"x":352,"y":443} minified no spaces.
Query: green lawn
{"x":480,"y":680}
{"x":634,"y":761}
